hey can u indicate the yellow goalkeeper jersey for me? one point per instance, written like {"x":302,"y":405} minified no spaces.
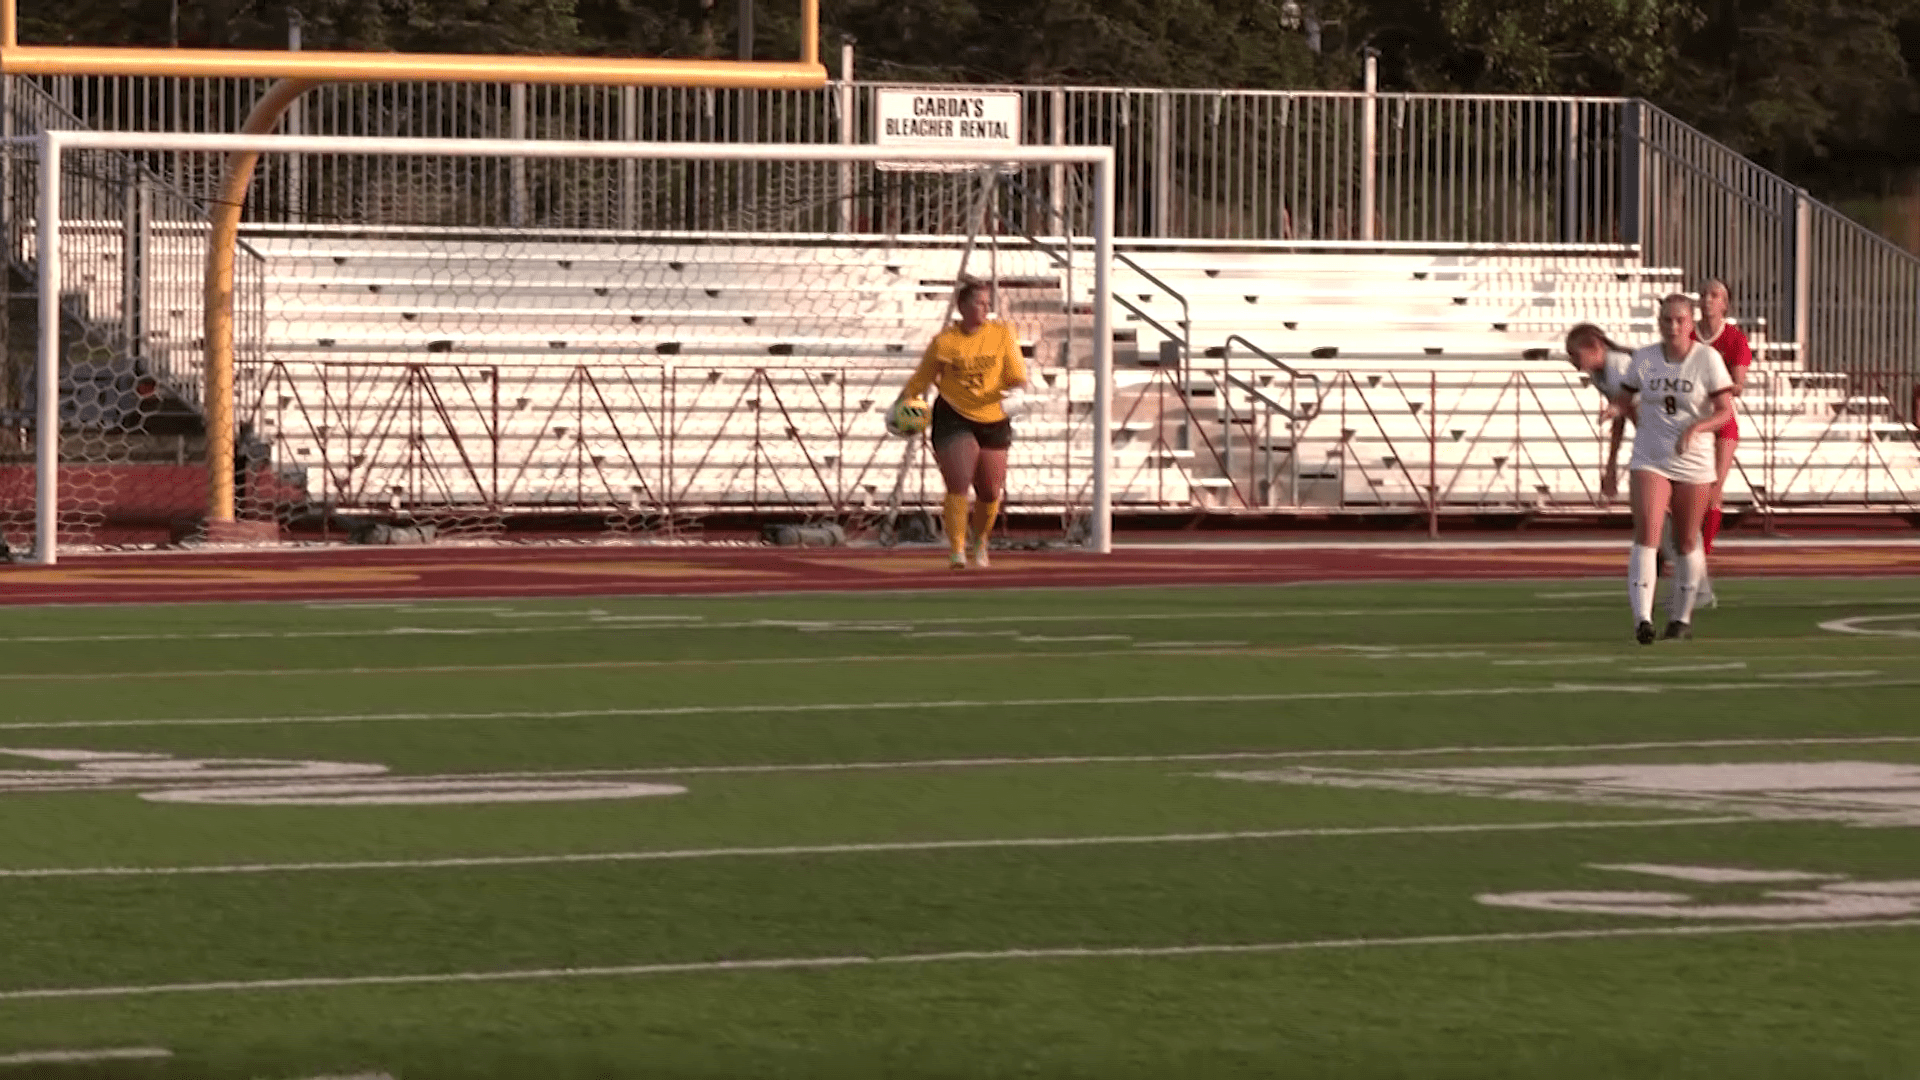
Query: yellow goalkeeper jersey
{"x":972,"y":371}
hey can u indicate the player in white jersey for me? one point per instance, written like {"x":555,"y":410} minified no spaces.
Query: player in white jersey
{"x":1603,"y":361}
{"x":1679,"y":393}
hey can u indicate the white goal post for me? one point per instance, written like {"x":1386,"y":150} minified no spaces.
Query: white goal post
{"x":42,"y":246}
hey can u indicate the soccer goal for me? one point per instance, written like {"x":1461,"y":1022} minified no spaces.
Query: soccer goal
{"x":475,"y":338}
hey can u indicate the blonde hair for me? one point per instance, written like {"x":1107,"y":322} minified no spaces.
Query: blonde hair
{"x":1707,"y":285}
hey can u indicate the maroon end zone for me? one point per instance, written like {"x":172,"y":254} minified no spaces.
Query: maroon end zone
{"x":390,"y":574}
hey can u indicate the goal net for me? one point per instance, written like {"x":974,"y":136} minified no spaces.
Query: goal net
{"x":441,"y":340}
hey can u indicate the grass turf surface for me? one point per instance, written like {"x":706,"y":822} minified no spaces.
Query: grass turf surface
{"x":1008,"y":776}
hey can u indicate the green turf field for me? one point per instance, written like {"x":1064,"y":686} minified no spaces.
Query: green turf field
{"x":1419,"y":830}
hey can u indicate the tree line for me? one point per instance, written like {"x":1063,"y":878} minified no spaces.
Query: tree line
{"x":1821,"y":91}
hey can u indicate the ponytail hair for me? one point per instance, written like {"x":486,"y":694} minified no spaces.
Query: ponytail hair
{"x":1586,"y":333}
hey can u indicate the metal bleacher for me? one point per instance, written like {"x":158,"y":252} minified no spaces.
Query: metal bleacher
{"x":1384,"y":380}
{"x":1278,"y":343}
{"x":696,"y":372}
{"x":704,"y":371}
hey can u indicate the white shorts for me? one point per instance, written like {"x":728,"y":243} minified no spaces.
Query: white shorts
{"x":1694,"y":468}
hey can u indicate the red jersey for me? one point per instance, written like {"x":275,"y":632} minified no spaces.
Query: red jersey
{"x":1733,"y":348}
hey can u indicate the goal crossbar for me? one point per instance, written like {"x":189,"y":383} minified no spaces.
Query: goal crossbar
{"x":806,"y":73}
{"x":219,"y":362}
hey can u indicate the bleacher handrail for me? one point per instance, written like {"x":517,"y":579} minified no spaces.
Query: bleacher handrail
{"x":31,"y":111}
{"x":1291,"y":371}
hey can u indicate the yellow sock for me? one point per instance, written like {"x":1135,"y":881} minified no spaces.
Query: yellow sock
{"x":983,"y":515}
{"x":956,"y":517}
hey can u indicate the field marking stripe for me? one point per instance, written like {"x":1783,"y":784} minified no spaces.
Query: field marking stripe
{"x":1257,"y":650}
{"x":699,"y":622}
{"x":611,"y":622}
{"x":569,"y":665}
{"x":82,"y":1057}
{"x":67,"y":782}
{"x":1202,"y":758}
{"x":802,"y":963}
{"x":1770,"y":804}
{"x":910,"y":706}
{"x":45,"y":599}
{"x":1771,"y":658}
{"x":619,"y":622}
{"x":881,"y":848}
{"x":598,"y":665}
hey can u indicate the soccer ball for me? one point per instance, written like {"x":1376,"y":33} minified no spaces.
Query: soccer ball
{"x":908,"y":417}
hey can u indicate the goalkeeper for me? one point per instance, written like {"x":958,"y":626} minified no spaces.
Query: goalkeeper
{"x":976,"y":365}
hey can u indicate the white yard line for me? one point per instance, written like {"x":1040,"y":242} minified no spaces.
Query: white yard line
{"x":1173,"y":759}
{"x":1779,"y":658}
{"x":593,"y":665}
{"x":1414,"y":654}
{"x":67,"y":782}
{"x":1665,"y":669}
{"x":421,"y":607}
{"x":804,"y":963}
{"x":84,"y":1057}
{"x":350,"y":605}
{"x":85,"y":599}
{"x":1275,"y":649}
{"x":802,"y":850}
{"x":611,"y":623}
{"x":772,"y":708}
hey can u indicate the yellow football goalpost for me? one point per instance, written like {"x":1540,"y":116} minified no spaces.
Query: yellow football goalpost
{"x":299,"y":72}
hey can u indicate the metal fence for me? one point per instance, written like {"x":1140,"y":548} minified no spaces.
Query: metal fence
{"x":1862,"y":303}
{"x":1818,"y":286}
{"x":1198,"y":165}
{"x":1194,"y":164}
{"x":138,"y":238}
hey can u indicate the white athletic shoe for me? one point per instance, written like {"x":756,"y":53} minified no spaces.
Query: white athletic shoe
{"x":1703,"y":597}
{"x":977,"y":553}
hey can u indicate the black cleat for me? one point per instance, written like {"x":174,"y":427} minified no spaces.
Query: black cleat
{"x":1677,"y":631}
{"x":1643,"y":633}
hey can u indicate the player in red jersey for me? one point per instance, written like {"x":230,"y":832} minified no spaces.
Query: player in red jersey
{"x":1727,"y":339}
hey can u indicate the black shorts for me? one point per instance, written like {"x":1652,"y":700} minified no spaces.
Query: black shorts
{"x":949,"y":424}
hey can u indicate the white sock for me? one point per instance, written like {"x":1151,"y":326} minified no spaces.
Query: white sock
{"x":1641,"y":577}
{"x":1687,"y":575}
